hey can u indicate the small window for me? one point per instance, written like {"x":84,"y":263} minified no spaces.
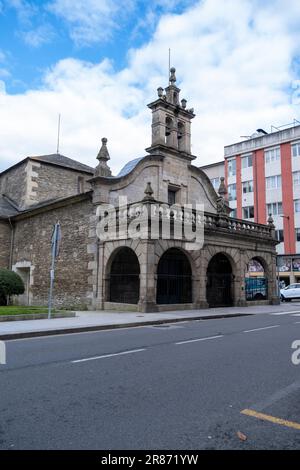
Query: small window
{"x":296,"y":150}
{"x":247,"y":161}
{"x":279,"y":235}
{"x":248,"y":212}
{"x":172,"y":196}
{"x":273,"y":182}
{"x":80,"y":184}
{"x":297,"y":230}
{"x":297,"y":205}
{"x":272,"y":155}
{"x":248,"y":187}
{"x":296,"y":178}
{"x":231,"y":192}
{"x":275,"y":208}
{"x":233,"y":213}
{"x":232,"y":167}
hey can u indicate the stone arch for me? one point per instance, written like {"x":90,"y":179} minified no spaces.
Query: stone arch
{"x":123,"y":276}
{"x":219,"y":280}
{"x":174,"y":277}
{"x":180,"y":135}
{"x":257,"y":278}
{"x":169,"y":126}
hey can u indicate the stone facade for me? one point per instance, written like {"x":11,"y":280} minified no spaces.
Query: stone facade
{"x":13,"y":183}
{"x":5,"y":237}
{"x":34,"y":181}
{"x":123,"y":272}
{"x":32,"y":251}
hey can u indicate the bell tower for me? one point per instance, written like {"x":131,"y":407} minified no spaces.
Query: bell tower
{"x":171,"y":121}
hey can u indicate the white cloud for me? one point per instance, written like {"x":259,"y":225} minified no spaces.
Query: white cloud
{"x":234,"y":65}
{"x":36,"y":37}
{"x":91,"y":21}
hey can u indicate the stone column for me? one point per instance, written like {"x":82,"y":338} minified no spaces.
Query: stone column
{"x":147,"y":302}
{"x":200,"y":283}
{"x":239,"y":282}
{"x":99,"y":299}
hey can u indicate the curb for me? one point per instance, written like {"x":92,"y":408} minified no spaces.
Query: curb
{"x":83,"y":329}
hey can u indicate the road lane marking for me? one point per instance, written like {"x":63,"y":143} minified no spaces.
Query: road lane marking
{"x":285,"y":312}
{"x":259,"y":329}
{"x":275,"y":397}
{"x":199,"y":339}
{"x":272,"y":419}
{"x":108,"y":355}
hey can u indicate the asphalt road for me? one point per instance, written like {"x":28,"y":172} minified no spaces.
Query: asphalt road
{"x":180,"y":386}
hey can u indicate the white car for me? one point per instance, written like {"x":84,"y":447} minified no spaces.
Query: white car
{"x":290,"y":292}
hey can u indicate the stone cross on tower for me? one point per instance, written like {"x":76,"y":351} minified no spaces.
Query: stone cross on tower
{"x":103,"y":156}
{"x":171,"y":120}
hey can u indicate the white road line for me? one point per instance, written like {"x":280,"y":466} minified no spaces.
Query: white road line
{"x":259,"y":329}
{"x":108,"y":355}
{"x":199,"y":339}
{"x":285,"y":313}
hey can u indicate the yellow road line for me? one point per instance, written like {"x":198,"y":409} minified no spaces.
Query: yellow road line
{"x":272,"y":419}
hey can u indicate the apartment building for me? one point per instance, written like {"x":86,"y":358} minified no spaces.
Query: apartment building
{"x":262,"y":174}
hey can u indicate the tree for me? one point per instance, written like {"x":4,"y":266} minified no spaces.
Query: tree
{"x":10,"y":284}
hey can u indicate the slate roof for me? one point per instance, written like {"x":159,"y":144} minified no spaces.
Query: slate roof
{"x":6,"y":208}
{"x":61,"y":160}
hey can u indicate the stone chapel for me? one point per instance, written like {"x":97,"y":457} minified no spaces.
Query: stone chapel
{"x":139,"y":274}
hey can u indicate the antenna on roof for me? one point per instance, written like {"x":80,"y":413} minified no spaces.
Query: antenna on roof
{"x":58,"y":134}
{"x":169,"y":65}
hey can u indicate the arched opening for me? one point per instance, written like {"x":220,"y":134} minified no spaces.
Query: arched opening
{"x":180,"y":135}
{"x":219,"y":282}
{"x":169,"y":126}
{"x":256,"y":280}
{"x":174,"y":278}
{"x":124,"y":277}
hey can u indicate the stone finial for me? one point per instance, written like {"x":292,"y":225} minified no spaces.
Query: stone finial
{"x":183,"y":103}
{"x":222,"y":188}
{"x":103,"y":152}
{"x":172,"y":78}
{"x":160,"y":92}
{"x":103,"y":156}
{"x":149,"y":192}
{"x":271,"y":221}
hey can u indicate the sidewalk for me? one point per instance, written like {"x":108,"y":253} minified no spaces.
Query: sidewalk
{"x":104,"y":320}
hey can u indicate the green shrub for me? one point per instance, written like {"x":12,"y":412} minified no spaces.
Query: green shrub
{"x":10,"y":284}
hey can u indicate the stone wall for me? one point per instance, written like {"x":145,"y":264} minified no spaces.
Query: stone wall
{"x":50,"y":182}
{"x":13,"y":183}
{"x":5,"y":235}
{"x":32,"y":247}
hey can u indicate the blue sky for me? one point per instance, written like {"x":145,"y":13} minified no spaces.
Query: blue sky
{"x":99,"y":62}
{"x":35,"y":35}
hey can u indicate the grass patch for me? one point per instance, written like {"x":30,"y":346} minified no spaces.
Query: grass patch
{"x":21,"y":310}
